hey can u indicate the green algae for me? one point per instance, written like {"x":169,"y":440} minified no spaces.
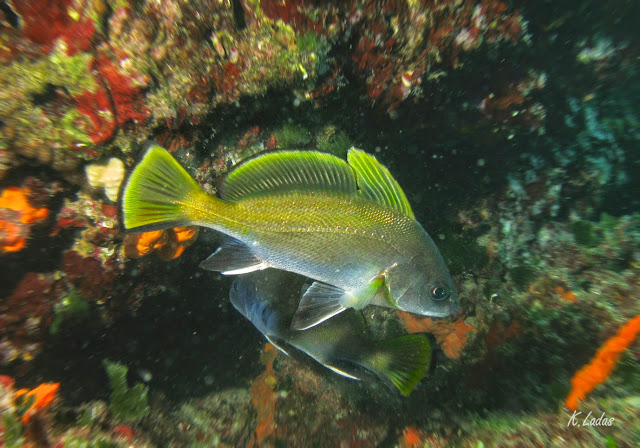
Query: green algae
{"x":610,"y":442}
{"x":309,"y":41}
{"x":462,"y":252}
{"x":523,"y":275}
{"x":71,"y":306}
{"x":125,"y":403}
{"x":317,"y":48}
{"x":608,"y":222}
{"x":85,"y":418}
{"x":23,"y":404}
{"x":70,"y":129}
{"x":292,"y":136}
{"x":12,"y":431}
{"x":285,"y":35}
{"x":584,"y":233}
{"x":81,"y":442}
{"x":333,"y":140}
{"x":627,"y":373}
{"x":71,"y":72}
{"x":28,"y":88}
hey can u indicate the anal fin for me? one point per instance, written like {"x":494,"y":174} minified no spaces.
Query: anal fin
{"x":319,"y":303}
{"x":342,"y":372}
{"x":232,"y":258}
{"x":277,"y":345}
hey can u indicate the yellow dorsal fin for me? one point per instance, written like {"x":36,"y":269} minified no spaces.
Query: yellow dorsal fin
{"x":376,"y":182}
{"x":285,"y":171}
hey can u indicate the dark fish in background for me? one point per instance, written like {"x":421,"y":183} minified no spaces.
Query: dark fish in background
{"x":343,"y":344}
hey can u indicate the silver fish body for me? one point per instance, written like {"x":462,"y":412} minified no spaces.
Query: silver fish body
{"x":343,"y":344}
{"x":345,"y":224}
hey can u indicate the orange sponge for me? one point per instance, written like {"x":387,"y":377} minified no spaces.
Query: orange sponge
{"x":452,"y":336}
{"x":16,"y":214}
{"x":43,"y":395}
{"x":137,"y":245}
{"x":168,"y":244}
{"x":602,"y":364}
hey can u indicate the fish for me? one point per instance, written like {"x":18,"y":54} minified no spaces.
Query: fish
{"x":343,"y":344}
{"x":346,"y":224}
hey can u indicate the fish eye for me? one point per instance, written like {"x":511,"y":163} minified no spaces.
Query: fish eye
{"x":439,"y":293}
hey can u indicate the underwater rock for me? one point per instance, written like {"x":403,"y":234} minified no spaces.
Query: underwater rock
{"x":24,"y":314}
{"x":223,"y":418}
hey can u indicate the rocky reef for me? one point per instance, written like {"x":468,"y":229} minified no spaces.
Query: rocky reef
{"x":513,"y":127}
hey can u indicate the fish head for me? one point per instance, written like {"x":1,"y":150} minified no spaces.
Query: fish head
{"x":423,"y":286}
{"x":253,"y":302}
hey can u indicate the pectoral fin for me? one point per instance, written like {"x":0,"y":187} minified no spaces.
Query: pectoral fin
{"x":366,"y":296}
{"x":232,"y":258}
{"x":319,"y":303}
{"x":382,"y":297}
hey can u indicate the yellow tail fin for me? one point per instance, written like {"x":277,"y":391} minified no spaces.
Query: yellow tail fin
{"x":158,"y":193}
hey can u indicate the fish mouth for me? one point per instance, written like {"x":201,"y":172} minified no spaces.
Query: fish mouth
{"x":449,"y":309}
{"x":441,"y":313}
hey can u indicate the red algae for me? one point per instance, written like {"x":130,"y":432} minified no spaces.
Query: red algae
{"x":23,"y":313}
{"x":93,"y":279}
{"x":45,"y":21}
{"x":392,"y":56}
{"x":117,"y":102}
{"x":294,"y":13}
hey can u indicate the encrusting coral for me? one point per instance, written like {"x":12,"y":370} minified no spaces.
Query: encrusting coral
{"x":108,"y":176}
